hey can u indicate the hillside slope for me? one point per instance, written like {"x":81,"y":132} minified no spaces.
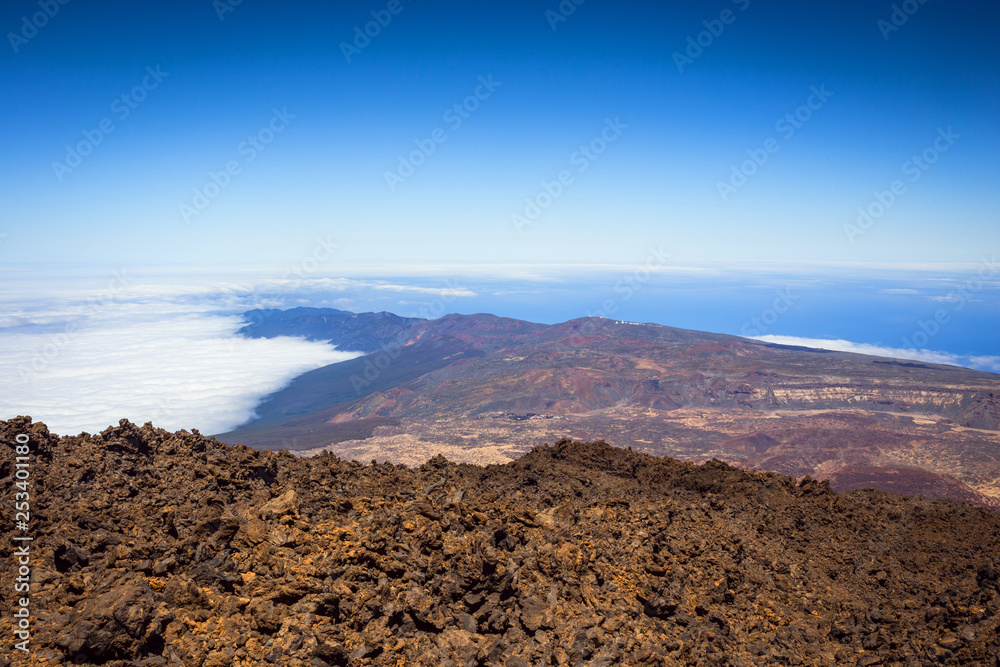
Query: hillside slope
{"x":486,"y":389}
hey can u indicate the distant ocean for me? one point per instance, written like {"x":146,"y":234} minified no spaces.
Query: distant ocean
{"x":953,"y":320}
{"x":82,"y":348}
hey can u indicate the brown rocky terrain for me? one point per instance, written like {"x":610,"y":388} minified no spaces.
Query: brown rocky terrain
{"x":485,"y":389}
{"x":154,"y":548}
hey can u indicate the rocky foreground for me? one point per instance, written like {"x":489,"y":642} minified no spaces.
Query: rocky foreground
{"x":158,"y":548}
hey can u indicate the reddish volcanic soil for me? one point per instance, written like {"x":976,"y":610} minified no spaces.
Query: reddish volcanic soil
{"x":484,"y":389}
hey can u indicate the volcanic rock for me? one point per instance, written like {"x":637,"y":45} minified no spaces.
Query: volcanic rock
{"x":174,"y":549}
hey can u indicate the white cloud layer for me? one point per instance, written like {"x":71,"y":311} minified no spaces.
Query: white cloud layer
{"x":177,"y":370}
{"x":82,"y":350}
{"x":982,"y":363}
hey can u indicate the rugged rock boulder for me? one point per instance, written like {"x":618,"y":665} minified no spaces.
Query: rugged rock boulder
{"x":154,"y":548}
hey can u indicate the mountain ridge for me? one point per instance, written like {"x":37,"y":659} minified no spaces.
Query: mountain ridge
{"x":481,"y":388}
{"x":355,"y":332}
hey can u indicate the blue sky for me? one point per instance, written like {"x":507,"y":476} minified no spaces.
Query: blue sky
{"x":328,"y":131}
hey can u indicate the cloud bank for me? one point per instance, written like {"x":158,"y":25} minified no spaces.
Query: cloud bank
{"x":81,"y":361}
{"x":982,"y":363}
{"x":188,"y":372}
{"x":147,"y":348}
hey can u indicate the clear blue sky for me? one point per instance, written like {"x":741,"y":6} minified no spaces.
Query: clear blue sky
{"x":657,"y":182}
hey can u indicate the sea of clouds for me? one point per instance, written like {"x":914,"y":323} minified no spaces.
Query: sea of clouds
{"x":82,"y":359}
